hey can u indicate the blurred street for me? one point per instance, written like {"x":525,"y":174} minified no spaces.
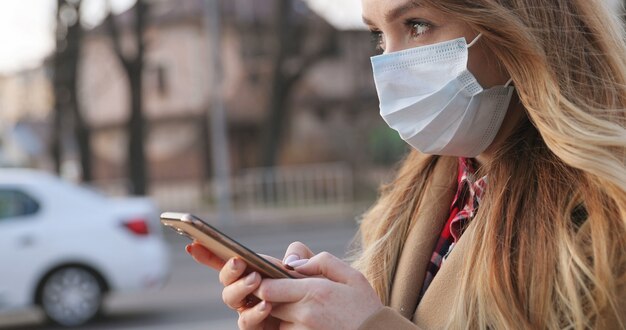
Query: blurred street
{"x":192,"y":297}
{"x":264,"y":112}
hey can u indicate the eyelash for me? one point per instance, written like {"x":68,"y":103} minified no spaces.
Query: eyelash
{"x":416,"y":28}
{"x":377,"y":39}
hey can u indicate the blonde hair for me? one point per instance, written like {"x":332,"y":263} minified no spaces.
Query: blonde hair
{"x":548,"y":245}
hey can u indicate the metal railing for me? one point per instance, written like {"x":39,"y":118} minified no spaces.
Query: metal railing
{"x":300,"y":190}
{"x":293,"y":187}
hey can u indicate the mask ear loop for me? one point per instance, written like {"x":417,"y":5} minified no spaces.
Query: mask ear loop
{"x":508,"y":83}
{"x":475,"y":40}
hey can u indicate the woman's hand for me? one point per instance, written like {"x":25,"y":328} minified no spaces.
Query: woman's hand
{"x":339,"y":297}
{"x":238,"y":289}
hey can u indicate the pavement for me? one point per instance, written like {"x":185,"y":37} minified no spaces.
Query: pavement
{"x":191,"y":299}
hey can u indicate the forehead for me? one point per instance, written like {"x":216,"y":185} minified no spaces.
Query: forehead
{"x":385,"y":10}
{"x":393,"y":3}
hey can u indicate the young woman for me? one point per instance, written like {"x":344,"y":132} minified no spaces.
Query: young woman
{"x":510,"y":212}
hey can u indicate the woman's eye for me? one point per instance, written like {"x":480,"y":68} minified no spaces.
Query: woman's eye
{"x":378,"y":40}
{"x":418,"y":28}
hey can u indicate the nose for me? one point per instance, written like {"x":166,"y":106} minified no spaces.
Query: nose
{"x":393,"y":45}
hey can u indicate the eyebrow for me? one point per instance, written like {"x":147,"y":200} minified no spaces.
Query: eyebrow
{"x":393,"y":14}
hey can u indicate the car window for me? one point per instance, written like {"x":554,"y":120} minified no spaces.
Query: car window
{"x":15,"y":203}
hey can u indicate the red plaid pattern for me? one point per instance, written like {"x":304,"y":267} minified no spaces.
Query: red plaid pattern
{"x":462,"y":211}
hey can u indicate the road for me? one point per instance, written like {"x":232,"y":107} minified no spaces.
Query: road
{"x":191,"y":299}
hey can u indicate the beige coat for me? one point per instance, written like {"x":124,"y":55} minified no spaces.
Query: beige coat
{"x":403,"y":312}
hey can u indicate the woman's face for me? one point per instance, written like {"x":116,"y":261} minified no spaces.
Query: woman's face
{"x":402,"y":24}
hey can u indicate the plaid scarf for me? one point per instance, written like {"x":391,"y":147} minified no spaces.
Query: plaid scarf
{"x":464,"y":207}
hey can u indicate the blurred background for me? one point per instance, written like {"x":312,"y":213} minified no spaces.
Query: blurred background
{"x":123,"y":97}
{"x":260,"y":116}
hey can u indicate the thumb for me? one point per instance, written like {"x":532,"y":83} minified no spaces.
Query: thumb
{"x":327,"y":265}
{"x":297,"y":251}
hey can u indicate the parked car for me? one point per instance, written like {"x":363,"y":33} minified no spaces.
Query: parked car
{"x":64,"y":247}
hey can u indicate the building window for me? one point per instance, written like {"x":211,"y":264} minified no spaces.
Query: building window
{"x":161,"y":80}
{"x":157,"y":78}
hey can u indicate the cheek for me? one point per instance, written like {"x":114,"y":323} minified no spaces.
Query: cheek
{"x":484,"y":65}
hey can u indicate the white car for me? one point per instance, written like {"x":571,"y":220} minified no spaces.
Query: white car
{"x":64,"y":247}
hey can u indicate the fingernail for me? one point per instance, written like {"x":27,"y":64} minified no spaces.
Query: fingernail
{"x":251,"y":278}
{"x":188,"y":248}
{"x":235,"y":263}
{"x":297,"y":263}
{"x":262,"y":306}
{"x":291,"y":258}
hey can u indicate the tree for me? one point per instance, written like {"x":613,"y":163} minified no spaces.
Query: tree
{"x":290,"y":63}
{"x":68,"y":45}
{"x":132,"y":65}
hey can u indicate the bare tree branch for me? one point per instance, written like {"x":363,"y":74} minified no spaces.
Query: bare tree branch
{"x":115,"y":38}
{"x":66,"y":106}
{"x":133,"y":68}
{"x":288,"y":33}
{"x":324,"y":50}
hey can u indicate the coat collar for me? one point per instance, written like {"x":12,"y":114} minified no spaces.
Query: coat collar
{"x":422,"y":237}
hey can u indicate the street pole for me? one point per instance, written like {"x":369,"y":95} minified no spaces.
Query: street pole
{"x":217,"y":116}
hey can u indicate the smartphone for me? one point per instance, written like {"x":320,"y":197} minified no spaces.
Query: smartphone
{"x":221,"y":245}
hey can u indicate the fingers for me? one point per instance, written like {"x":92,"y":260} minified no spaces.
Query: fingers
{"x":204,"y":256}
{"x":321,"y":296}
{"x":287,"y":313}
{"x":253,"y":318}
{"x":280,"y":291}
{"x":288,"y":326}
{"x":234,"y":295}
{"x":286,"y":290}
{"x":279,"y":263}
{"x":273,"y":260}
{"x":330,"y":267}
{"x":232,"y":271}
{"x":297,"y":251}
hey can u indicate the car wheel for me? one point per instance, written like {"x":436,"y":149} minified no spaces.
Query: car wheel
{"x":71,"y":296}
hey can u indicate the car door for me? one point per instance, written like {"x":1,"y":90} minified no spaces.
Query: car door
{"x":20,"y":252}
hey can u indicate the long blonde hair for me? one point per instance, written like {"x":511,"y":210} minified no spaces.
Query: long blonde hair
{"x":548,"y":245}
